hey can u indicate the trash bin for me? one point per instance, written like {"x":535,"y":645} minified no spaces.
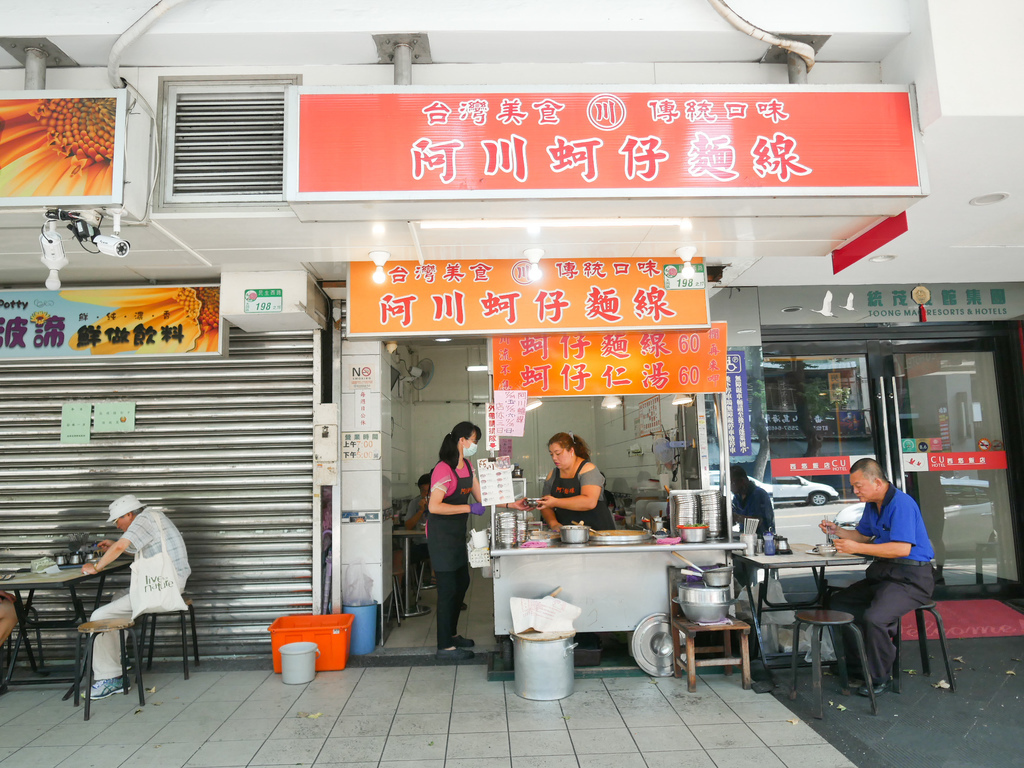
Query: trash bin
{"x":364,"y":628}
{"x":298,"y":663}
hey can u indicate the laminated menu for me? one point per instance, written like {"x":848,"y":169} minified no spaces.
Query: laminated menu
{"x":495,"y":481}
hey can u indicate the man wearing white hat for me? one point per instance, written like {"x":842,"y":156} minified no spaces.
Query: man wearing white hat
{"x":140,"y":528}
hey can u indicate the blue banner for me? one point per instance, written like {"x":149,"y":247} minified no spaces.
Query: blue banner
{"x":737,"y":405}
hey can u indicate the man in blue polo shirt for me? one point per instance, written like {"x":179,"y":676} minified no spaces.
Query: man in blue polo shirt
{"x":900,"y":579}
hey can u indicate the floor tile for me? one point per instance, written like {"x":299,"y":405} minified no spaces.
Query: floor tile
{"x":612,"y":761}
{"x":425,"y":704}
{"x":547,"y":761}
{"x":411,"y":725}
{"x":100,"y":756}
{"x":422,"y":746}
{"x":706,"y":709}
{"x":477,"y":745}
{"x":352,"y":749}
{"x":361,"y":725}
{"x":661,"y":716}
{"x":303,"y":728}
{"x":577,"y":722}
{"x":786,"y":734}
{"x":214,"y":754}
{"x":817,"y":756}
{"x":657,"y":739}
{"x":478,"y":722}
{"x":155,"y":755}
{"x":697,"y":758}
{"x":725,"y":736}
{"x":287,"y":752}
{"x":207,"y":710}
{"x":605,"y":742}
{"x":369,"y":705}
{"x":399,"y":764}
{"x":190,"y":731}
{"x":765,"y":710}
{"x":472,"y":762}
{"x":40,"y":757}
{"x":246,"y":730}
{"x":530,"y":743}
{"x":468,"y":702}
{"x":745,"y":757}
{"x":71,"y":734}
{"x":541,"y":721}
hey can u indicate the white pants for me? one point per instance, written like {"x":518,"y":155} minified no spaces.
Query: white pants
{"x":106,"y":651}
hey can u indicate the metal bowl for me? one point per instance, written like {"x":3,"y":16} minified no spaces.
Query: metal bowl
{"x":705,"y":614}
{"x":718,"y":577}
{"x":699,"y":594}
{"x":693,"y":534}
{"x":575,"y":534}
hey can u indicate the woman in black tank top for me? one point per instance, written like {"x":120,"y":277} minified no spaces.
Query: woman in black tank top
{"x":574,"y":491}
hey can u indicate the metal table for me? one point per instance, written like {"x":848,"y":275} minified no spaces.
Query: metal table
{"x":407,"y":536}
{"x":70,"y":578}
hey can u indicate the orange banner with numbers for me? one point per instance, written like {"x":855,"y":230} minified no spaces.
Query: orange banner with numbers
{"x":612,"y":363}
{"x":504,"y":296}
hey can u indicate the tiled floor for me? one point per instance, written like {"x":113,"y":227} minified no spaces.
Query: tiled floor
{"x":419,"y":717}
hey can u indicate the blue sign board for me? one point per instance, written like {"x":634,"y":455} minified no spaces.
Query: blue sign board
{"x":737,"y":407}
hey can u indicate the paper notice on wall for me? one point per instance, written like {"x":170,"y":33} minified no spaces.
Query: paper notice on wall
{"x":546,"y":615}
{"x":495,"y":482}
{"x":510,"y":412}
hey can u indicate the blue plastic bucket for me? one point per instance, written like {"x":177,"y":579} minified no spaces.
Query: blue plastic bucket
{"x":364,"y":628}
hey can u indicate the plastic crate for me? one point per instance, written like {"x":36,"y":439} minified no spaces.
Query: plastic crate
{"x":332,"y":635}
{"x":479,"y":558}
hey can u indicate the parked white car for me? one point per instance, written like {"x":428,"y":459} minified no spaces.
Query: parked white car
{"x":799,"y":490}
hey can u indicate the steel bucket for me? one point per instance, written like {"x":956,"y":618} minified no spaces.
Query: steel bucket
{"x":544,"y":665}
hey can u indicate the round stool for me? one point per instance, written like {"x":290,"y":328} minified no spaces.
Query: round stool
{"x":92,"y":629}
{"x":819,"y":620}
{"x":922,"y":641}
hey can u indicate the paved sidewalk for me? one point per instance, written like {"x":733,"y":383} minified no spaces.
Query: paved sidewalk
{"x":419,"y":717}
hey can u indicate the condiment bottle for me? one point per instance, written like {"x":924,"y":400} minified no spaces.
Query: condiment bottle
{"x":769,"y":543}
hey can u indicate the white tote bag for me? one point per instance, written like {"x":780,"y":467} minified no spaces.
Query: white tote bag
{"x":154,"y":586}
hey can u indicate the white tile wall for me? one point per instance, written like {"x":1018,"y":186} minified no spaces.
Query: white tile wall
{"x":361,"y":490}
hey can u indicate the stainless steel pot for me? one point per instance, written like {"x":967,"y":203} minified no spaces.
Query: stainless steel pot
{"x":693,"y":534}
{"x":718,"y":577}
{"x":706,"y":614}
{"x":700,"y":594}
{"x":75,"y":558}
{"x":544,"y":666}
{"x":575,"y":534}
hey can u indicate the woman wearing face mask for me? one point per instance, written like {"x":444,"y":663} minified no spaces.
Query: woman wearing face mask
{"x":574,"y":490}
{"x":454,"y":494}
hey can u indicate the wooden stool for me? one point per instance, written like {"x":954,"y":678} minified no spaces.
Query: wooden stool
{"x":819,"y":620}
{"x":690,"y":630}
{"x":92,"y":629}
{"x":922,"y":640}
{"x":151,"y":618}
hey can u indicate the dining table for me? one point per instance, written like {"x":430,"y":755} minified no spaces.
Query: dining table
{"x":83,"y":591}
{"x":802,"y":557}
{"x":411,"y":606}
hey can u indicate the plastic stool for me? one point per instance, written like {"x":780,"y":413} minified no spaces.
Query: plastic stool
{"x":922,"y":640}
{"x":819,"y":620}
{"x":151,"y":618}
{"x":92,"y":629}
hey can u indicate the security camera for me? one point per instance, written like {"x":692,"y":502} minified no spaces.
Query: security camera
{"x":52,"y":247}
{"x":112,"y":246}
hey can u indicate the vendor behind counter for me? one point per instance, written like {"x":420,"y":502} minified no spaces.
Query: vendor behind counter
{"x":574,"y":489}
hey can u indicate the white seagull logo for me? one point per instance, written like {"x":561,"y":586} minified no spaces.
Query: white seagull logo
{"x":826,"y":306}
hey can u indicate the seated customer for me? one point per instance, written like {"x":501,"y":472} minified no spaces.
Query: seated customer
{"x":750,"y":500}
{"x":8,"y":615}
{"x":141,"y":535}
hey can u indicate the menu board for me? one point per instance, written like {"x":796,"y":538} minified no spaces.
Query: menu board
{"x":495,"y":481}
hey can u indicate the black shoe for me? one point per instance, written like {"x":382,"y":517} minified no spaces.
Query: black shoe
{"x":879,"y":689}
{"x":454,"y":654}
{"x":461,"y":642}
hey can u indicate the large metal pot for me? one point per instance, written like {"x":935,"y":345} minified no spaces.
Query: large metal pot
{"x":575,"y":534}
{"x":718,"y":577}
{"x":706,"y":614}
{"x":544,"y":666}
{"x":700,"y":594}
{"x":693,"y":534}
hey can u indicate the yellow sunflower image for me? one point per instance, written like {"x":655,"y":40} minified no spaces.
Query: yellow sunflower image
{"x":150,"y":320}
{"x":56,"y":147}
{"x":39,"y":318}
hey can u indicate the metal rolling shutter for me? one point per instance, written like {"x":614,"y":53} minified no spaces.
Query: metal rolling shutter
{"x":225,"y":444}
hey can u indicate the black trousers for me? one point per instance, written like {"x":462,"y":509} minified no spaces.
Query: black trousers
{"x":451,"y":592}
{"x":889,"y":591}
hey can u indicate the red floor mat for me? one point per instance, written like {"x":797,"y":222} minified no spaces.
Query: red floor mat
{"x":969,"y":619}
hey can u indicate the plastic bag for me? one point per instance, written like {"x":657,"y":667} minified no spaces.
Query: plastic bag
{"x":357,"y":584}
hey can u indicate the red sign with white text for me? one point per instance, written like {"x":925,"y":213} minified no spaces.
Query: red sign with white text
{"x":424,"y":144}
{"x":943,"y":462}
{"x":813,"y":465}
{"x":494,"y":297}
{"x":611,"y":363}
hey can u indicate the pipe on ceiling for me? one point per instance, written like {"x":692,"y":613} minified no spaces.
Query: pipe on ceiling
{"x":403,"y":64}
{"x":804,"y":51}
{"x":35,"y":69}
{"x":133,"y":33}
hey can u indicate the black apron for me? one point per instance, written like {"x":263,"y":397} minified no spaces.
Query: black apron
{"x":446,"y":534}
{"x":599,"y":518}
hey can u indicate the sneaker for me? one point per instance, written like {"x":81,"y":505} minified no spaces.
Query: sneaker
{"x":462,"y":642}
{"x":101,"y":689}
{"x":454,"y":654}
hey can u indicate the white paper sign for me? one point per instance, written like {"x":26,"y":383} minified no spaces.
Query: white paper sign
{"x":510,"y":412}
{"x":648,"y":420}
{"x":495,"y":483}
{"x":491,"y":434}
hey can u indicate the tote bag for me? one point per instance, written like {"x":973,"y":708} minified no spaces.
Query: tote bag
{"x":154,"y":586}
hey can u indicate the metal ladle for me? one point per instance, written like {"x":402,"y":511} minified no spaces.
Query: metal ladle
{"x":692,"y":565}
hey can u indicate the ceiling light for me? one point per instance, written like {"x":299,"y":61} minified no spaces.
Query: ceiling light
{"x":534,"y":256}
{"x":882,"y":258}
{"x":476,"y":368}
{"x":990,"y":199}
{"x":380,"y":258}
{"x":445,"y":338}
{"x":686,"y":225}
{"x":533,"y":229}
{"x":611,"y":401}
{"x":533,"y":402}
{"x":747,"y":330}
{"x":686,"y":253}
{"x":791,"y":309}
{"x":379,"y":229}
{"x":391,"y":347}
{"x":682,"y":399}
{"x":528,"y":223}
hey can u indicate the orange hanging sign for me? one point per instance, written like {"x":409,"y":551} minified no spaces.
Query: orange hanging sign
{"x":502,"y":296}
{"x":612,"y":363}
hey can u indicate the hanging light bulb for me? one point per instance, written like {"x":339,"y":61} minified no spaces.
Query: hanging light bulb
{"x":534,"y":402}
{"x":611,"y":401}
{"x":380,"y":258}
{"x":682,"y":399}
{"x":686,"y":253}
{"x":534,"y":256}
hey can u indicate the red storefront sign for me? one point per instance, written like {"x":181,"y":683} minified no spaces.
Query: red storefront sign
{"x":611,"y":363}
{"x":811,"y":465}
{"x":943,"y":462}
{"x":424,"y":144}
{"x":495,"y":297}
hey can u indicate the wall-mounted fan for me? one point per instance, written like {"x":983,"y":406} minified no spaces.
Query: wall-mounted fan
{"x":420,"y":374}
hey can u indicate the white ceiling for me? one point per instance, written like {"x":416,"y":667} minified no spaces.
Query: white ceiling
{"x":762,"y":242}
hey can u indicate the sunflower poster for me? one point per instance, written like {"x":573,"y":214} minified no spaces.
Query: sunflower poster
{"x":168,"y":320}
{"x":61,"y":148}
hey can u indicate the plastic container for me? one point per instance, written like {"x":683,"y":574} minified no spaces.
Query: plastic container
{"x":364,"y":628}
{"x":298,"y":663}
{"x":769,"y":543}
{"x":331,"y":633}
